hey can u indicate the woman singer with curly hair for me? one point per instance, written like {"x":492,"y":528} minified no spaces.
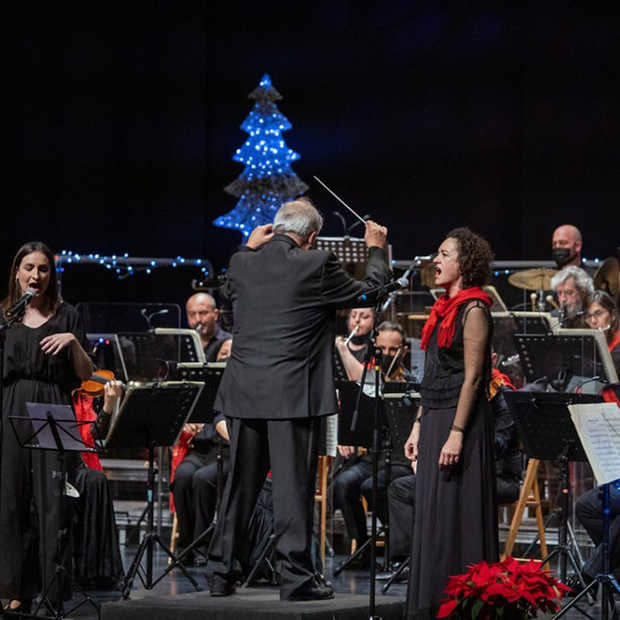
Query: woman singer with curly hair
{"x":451,"y":441}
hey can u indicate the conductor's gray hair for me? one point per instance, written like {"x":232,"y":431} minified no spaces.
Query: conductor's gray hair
{"x":298,"y":216}
{"x":582,"y":280}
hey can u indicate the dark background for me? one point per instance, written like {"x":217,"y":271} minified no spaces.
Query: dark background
{"x":424,"y":117}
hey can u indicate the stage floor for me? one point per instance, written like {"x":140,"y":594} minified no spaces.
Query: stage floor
{"x":174,"y":597}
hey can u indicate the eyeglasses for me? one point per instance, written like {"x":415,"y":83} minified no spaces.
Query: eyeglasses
{"x":597,"y":314}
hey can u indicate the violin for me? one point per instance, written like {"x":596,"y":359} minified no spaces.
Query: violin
{"x":94,"y":386}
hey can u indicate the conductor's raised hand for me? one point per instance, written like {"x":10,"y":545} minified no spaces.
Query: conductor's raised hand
{"x":260,"y":235}
{"x":376,"y":235}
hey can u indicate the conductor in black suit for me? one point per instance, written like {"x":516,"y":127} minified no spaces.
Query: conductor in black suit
{"x":278,"y":383}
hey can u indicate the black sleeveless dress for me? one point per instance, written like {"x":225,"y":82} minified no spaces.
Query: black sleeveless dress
{"x":29,"y":481}
{"x":455,"y":510}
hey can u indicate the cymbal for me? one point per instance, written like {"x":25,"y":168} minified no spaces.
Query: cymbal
{"x":607,"y":276}
{"x":427,"y":275}
{"x":538,"y":279}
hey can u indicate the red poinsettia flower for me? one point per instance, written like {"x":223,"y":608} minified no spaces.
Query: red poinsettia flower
{"x":487,"y":590}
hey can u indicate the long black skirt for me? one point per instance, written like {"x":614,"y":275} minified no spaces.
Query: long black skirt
{"x":455,"y":510}
{"x":96,"y":551}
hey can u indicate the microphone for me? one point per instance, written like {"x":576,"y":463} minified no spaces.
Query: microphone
{"x":20,"y":305}
{"x":386,"y":289}
{"x":390,"y":298}
{"x":149,"y":317}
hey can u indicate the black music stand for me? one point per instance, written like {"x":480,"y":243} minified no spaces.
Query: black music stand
{"x":566,"y":360}
{"x":548,"y":434}
{"x":363,"y":430}
{"x":211,"y":374}
{"x":151,"y":416}
{"x":53,"y":427}
{"x":400,"y":411}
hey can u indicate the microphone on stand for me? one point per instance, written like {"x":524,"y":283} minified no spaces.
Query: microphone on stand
{"x":149,"y":317}
{"x":20,"y":305}
{"x":416,"y":262}
{"x":390,"y":287}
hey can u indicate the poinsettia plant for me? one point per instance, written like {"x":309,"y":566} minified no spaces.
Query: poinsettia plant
{"x":506,"y":589}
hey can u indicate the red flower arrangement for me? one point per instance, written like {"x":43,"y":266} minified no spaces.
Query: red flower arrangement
{"x":508,"y":590}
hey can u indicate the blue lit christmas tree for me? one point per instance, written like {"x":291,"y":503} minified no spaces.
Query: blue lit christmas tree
{"x":268,"y":179}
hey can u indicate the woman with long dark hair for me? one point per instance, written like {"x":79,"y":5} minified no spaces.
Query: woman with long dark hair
{"x":44,"y":359}
{"x":451,"y":441}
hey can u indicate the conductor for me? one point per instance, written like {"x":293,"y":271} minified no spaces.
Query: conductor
{"x":278,"y":383}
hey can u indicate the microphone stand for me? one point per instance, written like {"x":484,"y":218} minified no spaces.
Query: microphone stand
{"x":371,"y":352}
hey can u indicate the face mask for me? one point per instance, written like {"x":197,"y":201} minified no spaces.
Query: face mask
{"x":357,"y":340}
{"x":561,"y":256}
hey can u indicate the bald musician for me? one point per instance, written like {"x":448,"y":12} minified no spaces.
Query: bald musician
{"x":203,"y":315}
{"x":566,"y":244}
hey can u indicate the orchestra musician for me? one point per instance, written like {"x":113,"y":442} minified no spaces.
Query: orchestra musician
{"x":203,"y":315}
{"x":194,"y":475}
{"x":573,"y":288}
{"x":354,"y":478}
{"x":278,"y":383}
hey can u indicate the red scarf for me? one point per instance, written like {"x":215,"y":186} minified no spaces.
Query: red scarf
{"x":447,"y":308}
{"x":615,"y":342}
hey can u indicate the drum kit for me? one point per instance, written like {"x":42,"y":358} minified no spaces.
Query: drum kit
{"x":606,"y":278}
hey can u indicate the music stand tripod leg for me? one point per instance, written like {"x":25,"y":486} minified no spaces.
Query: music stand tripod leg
{"x":147,"y":543}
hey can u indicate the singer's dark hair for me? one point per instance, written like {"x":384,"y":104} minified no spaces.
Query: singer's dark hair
{"x":607,"y":301}
{"x":52,"y":297}
{"x":475,"y":256}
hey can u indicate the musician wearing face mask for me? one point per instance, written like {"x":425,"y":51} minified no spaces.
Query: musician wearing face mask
{"x":203,"y":315}
{"x":566,"y":244}
{"x":354,"y":477}
{"x":352,"y":349}
{"x":573,"y":288}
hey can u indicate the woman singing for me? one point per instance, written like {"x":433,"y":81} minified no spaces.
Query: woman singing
{"x":44,"y":359}
{"x":452,"y":437}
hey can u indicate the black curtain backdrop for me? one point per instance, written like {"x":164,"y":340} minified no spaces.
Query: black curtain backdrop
{"x":424,"y":117}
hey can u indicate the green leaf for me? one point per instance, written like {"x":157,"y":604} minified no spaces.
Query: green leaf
{"x":475,"y":610}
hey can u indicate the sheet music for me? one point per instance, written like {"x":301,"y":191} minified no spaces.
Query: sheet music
{"x":598,"y":427}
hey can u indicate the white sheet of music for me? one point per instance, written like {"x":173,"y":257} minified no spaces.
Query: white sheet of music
{"x":598,"y":427}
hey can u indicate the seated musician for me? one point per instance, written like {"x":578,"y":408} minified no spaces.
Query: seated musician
{"x":508,"y":458}
{"x":352,"y":349}
{"x":194,"y":475}
{"x":96,"y":552}
{"x":202,"y":315}
{"x":602,"y":314}
{"x":354,"y":477}
{"x":573,"y":288}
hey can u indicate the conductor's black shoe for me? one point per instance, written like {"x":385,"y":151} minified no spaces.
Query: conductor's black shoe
{"x":316,"y":589}
{"x":219,"y":586}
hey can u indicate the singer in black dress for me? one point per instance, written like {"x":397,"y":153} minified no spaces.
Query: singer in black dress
{"x":452,"y":437}
{"x":44,"y":359}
